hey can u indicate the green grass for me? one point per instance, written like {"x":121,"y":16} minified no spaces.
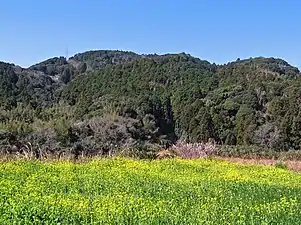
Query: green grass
{"x":122,"y":191}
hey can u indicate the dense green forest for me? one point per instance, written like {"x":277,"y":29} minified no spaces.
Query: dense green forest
{"x":103,"y":102}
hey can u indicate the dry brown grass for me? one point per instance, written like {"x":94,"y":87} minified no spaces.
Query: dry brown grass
{"x":294,"y":165}
{"x":163,"y":154}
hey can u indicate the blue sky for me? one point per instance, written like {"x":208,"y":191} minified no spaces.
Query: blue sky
{"x":218,"y":31}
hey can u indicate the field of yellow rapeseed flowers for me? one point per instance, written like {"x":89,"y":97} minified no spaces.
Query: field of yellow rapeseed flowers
{"x":124,"y":191}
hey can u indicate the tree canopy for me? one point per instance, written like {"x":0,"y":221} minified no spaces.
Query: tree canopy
{"x":254,"y":101}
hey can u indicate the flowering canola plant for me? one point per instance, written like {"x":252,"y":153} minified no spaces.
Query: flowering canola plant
{"x":171,"y":191}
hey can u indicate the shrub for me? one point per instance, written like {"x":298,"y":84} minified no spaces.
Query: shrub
{"x":244,"y":151}
{"x":281,"y":165}
{"x":140,"y":151}
{"x":165,"y":154}
{"x":62,"y":128}
{"x":194,"y":150}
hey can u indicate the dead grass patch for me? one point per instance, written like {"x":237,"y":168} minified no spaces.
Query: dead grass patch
{"x":294,"y":165}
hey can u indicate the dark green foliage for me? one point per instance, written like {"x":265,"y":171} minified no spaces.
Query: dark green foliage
{"x":52,"y":66}
{"x":252,"y":102}
{"x":26,"y":87}
{"x":281,"y":165}
{"x":201,"y":127}
{"x":237,"y":103}
{"x":93,"y":60}
{"x":82,"y":68}
{"x":66,"y":76}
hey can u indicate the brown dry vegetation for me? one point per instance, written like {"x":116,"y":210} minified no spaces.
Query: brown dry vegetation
{"x":294,"y":165}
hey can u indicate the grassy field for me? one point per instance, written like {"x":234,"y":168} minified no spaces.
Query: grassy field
{"x":122,"y":191}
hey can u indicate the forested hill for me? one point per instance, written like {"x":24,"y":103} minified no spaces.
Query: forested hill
{"x":117,"y":98}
